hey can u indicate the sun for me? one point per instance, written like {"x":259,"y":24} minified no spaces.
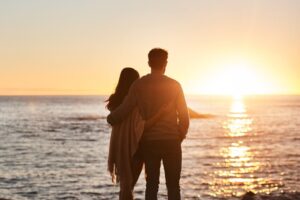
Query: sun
{"x":235,"y":78}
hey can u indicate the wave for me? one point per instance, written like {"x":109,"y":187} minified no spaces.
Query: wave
{"x":86,"y":118}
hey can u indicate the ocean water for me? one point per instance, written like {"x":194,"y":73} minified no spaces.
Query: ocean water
{"x":55,"y":147}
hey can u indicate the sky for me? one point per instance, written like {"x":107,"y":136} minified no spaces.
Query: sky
{"x":56,"y":47}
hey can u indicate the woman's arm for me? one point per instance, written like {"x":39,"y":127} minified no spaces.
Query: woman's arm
{"x":150,"y":122}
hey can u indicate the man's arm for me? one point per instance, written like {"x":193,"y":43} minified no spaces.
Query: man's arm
{"x":183,"y":115}
{"x":124,"y":109}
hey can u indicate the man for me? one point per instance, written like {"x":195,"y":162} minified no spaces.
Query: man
{"x":161,"y":142}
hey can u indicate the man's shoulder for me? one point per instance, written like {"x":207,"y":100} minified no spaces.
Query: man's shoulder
{"x":171,"y":80}
{"x":172,"y":83}
{"x":164,"y":78}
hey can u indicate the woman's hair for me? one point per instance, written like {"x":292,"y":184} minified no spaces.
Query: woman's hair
{"x":127,"y":77}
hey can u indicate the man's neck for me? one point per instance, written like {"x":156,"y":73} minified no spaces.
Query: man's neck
{"x":157,"y":72}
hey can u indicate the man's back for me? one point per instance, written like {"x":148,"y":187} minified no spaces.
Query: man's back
{"x":152,"y":93}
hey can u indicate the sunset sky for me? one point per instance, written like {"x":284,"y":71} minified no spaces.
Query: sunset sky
{"x":215,"y":47}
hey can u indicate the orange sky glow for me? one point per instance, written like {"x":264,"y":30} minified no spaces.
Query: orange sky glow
{"x":215,"y":47}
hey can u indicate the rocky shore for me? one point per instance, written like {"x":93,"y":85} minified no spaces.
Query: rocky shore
{"x":275,"y":196}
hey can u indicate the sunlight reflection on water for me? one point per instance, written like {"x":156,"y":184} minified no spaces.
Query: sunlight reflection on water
{"x":237,"y":172}
{"x":57,"y":147}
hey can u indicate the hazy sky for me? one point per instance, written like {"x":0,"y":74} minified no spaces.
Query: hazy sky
{"x":80,"y":46}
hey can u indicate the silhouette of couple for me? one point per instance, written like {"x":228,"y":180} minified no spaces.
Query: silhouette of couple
{"x":149,"y":119}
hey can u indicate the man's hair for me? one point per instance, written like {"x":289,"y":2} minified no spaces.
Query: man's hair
{"x":157,"y":58}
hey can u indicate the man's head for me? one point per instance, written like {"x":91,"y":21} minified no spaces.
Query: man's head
{"x":158,"y":59}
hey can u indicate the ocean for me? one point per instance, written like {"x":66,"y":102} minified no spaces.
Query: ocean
{"x":55,"y":147}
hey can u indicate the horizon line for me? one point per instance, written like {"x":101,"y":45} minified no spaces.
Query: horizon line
{"x":203,"y":94}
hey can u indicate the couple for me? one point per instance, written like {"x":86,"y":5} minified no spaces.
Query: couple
{"x":149,"y":119}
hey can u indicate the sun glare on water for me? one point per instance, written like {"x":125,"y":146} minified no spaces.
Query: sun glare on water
{"x":240,"y":169}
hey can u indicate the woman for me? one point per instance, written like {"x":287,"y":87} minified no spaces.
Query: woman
{"x":123,"y":163}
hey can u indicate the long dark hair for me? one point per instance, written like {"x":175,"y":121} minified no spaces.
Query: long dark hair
{"x":127,"y":77}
